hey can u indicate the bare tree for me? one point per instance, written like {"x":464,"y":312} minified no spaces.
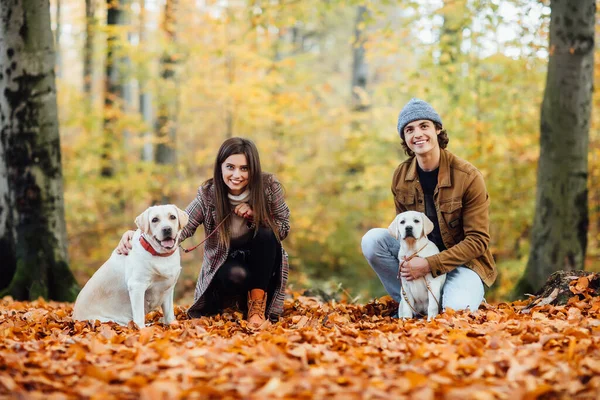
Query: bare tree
{"x":559,"y":233}
{"x":33,"y":239}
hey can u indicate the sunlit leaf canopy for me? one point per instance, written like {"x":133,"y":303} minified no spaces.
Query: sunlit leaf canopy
{"x":280,"y":72}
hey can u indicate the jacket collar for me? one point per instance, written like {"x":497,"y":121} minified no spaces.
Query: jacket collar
{"x":148,"y":247}
{"x":444,"y":179}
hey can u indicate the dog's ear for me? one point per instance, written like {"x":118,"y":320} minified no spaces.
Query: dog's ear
{"x":427,"y":225}
{"x":143,"y":221}
{"x":182,"y":217}
{"x":393,"y":228}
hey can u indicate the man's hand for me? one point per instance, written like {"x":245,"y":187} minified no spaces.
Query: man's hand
{"x":244,"y":210}
{"x":414,"y":269}
{"x":125,"y":243}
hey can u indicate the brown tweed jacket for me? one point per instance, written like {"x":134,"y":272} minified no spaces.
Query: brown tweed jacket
{"x":202,"y":211}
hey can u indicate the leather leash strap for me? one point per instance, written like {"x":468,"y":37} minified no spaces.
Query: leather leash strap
{"x":410,"y":258}
{"x":206,"y":238}
{"x":426,"y":284}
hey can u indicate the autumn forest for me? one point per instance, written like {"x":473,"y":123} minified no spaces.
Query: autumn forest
{"x":108,"y":107}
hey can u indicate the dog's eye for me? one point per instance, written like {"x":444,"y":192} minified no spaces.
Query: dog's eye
{"x":417,"y":221}
{"x":173,"y":217}
{"x":402,"y":222}
{"x":154,"y":220}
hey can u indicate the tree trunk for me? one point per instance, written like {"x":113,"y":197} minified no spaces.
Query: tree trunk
{"x":562,"y":286}
{"x":166,"y":132}
{"x":360,"y":97}
{"x":559,"y":233}
{"x":230,"y":71}
{"x":113,"y":92}
{"x":145,"y":95}
{"x":57,"y":39}
{"x":32,"y":223}
{"x":88,"y":48}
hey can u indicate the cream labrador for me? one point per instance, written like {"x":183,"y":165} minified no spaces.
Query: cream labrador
{"x":126,"y":288}
{"x":422,"y":295}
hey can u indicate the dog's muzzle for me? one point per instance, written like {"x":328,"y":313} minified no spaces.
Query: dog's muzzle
{"x":167,"y":242}
{"x":408,"y":232}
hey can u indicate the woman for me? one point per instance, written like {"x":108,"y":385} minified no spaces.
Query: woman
{"x":248,"y":210}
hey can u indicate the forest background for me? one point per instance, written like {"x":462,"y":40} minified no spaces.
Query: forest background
{"x":148,"y":91}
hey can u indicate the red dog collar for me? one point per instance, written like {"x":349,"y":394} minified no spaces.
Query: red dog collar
{"x":151,"y":250}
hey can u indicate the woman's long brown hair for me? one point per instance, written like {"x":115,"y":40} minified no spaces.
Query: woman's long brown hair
{"x":258,"y":197}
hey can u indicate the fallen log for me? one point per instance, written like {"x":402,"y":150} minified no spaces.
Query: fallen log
{"x":562,"y":285}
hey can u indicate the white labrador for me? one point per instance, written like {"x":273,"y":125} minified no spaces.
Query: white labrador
{"x":412,"y":228}
{"x":126,"y":288}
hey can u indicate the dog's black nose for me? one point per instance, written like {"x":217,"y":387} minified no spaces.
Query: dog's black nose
{"x":167,"y":231}
{"x":409,"y":229}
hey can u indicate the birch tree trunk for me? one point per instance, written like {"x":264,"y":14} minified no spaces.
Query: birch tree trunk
{"x":559,"y":234}
{"x":33,"y":239}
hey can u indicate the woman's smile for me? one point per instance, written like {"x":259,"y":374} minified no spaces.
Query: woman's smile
{"x":235,"y":173}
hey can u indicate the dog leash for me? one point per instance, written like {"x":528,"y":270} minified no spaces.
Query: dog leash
{"x":206,"y":238}
{"x":410,"y":258}
{"x":426,"y":284}
{"x":410,"y":305}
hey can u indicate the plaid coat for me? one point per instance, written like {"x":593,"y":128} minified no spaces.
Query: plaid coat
{"x":202,"y":210}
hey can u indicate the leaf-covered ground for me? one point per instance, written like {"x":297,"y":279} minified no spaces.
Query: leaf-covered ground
{"x":317,"y":350}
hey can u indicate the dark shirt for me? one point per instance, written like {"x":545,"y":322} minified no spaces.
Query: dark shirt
{"x":429,"y":180}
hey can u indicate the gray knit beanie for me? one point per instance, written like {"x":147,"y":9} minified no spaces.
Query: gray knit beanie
{"x":415,"y":110}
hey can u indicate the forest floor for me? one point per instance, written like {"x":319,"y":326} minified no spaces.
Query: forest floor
{"x":317,"y":350}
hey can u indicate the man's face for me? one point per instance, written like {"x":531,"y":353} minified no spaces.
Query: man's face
{"x":421,"y":136}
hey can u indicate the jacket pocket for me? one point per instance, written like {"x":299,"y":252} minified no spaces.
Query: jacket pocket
{"x":407,"y":199}
{"x":451,"y":211}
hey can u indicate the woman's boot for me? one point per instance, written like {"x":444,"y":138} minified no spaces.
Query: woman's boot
{"x":256,"y":308}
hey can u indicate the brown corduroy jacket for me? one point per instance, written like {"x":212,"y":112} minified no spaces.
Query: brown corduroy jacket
{"x":462,"y":205}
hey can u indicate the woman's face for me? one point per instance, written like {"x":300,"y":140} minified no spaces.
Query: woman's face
{"x":235,"y":172}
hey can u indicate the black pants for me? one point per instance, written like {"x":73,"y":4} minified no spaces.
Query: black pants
{"x":250,"y":267}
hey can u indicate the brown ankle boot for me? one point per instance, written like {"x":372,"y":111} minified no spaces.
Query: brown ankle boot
{"x":256,"y":311}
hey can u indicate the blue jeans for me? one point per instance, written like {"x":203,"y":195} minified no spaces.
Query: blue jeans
{"x":463,"y":288}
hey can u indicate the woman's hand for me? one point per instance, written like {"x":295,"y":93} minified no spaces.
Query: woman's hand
{"x":414,"y":269}
{"x":125,"y":243}
{"x":244,"y":210}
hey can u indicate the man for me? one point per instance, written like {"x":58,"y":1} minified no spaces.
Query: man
{"x":452,"y":193}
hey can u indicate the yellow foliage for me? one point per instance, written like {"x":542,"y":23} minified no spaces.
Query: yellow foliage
{"x":281,"y":75}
